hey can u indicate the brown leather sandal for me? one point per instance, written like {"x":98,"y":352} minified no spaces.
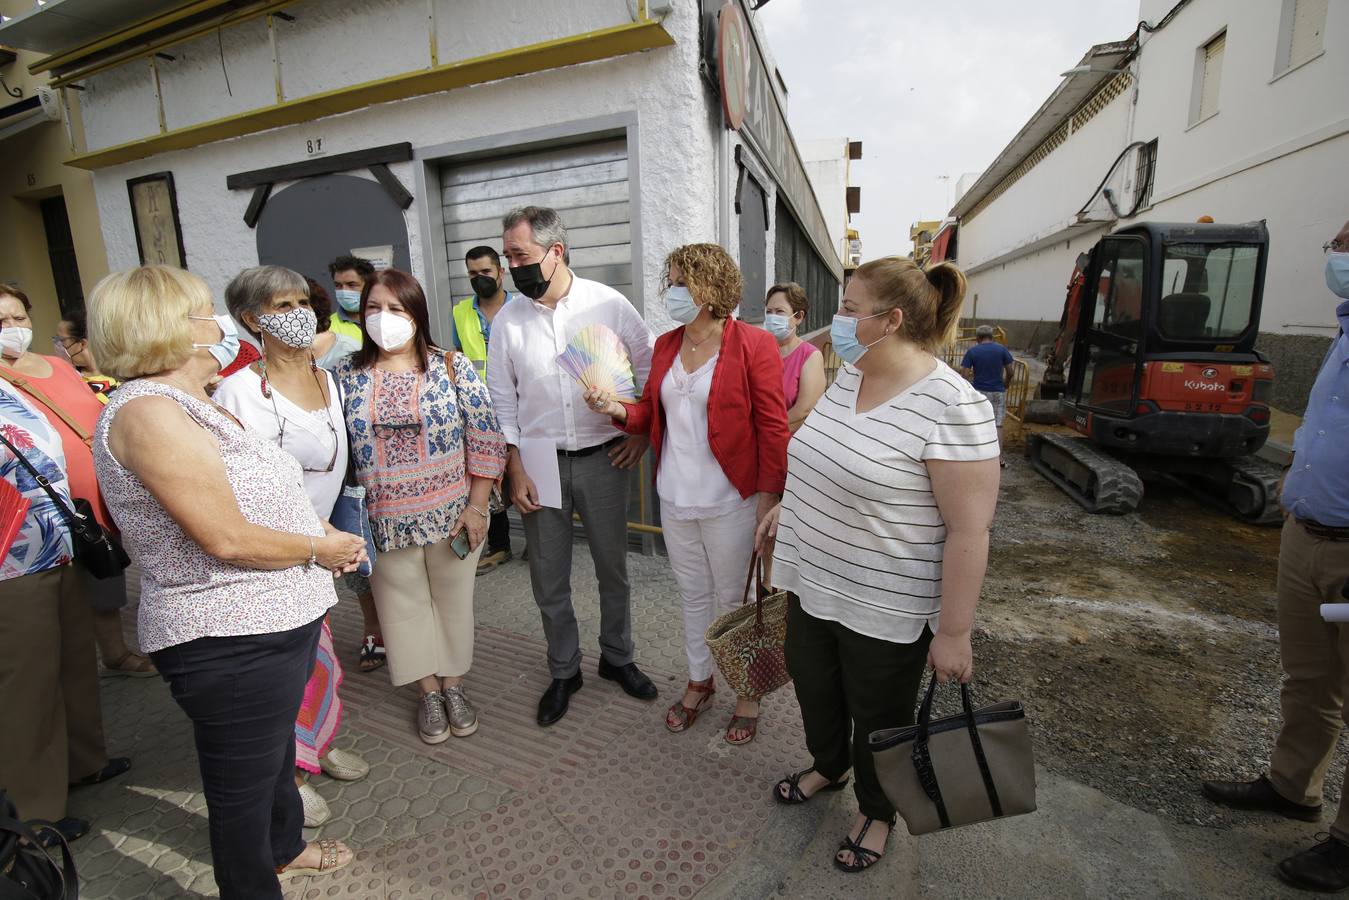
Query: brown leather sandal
{"x":329,"y":854}
{"x":680,"y":717}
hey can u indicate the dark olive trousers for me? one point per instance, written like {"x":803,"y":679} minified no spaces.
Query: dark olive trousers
{"x":850,"y":685}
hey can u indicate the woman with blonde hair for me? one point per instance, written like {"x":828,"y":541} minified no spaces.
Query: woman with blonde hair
{"x":238,"y":568}
{"x":713,"y":407}
{"x":894,"y":473}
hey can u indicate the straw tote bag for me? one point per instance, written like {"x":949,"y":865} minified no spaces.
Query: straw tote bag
{"x":747,"y":643}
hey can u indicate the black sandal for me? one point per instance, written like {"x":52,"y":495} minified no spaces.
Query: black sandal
{"x":372,"y":654}
{"x":793,"y":785}
{"x":118,"y":765}
{"x":862,"y":858}
{"x":69,"y":829}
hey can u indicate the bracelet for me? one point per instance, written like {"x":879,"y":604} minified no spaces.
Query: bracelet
{"x":313,"y":555}
{"x":480,"y":512}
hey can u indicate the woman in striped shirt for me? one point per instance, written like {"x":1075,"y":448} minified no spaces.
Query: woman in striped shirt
{"x":893,"y":473}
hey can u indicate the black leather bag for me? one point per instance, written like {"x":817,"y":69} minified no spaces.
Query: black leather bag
{"x":95,"y":549}
{"x":29,"y":871}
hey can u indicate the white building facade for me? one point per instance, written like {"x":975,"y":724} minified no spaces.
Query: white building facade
{"x":1229,"y":110}
{"x":293,"y":132}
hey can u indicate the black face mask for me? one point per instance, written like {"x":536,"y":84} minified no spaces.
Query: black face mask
{"x":485,"y":286}
{"x":529,"y":279}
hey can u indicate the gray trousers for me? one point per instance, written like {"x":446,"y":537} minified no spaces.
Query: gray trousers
{"x":598,"y":492}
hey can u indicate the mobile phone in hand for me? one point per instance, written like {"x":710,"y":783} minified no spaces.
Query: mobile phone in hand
{"x":460,"y":544}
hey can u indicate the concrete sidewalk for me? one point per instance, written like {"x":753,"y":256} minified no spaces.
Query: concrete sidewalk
{"x":608,"y":804}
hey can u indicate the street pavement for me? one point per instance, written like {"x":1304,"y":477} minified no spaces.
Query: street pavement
{"x":607,"y":803}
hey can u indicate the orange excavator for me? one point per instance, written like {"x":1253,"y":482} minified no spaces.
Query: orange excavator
{"x":1155,"y":367}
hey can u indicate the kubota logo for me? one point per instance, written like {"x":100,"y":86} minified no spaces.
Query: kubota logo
{"x":1210,"y":372}
{"x":1203,"y":386}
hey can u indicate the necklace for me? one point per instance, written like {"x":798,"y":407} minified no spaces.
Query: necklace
{"x":281,"y":422}
{"x":694,"y":345}
{"x":267,"y":388}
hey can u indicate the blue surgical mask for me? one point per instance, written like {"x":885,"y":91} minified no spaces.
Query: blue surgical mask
{"x":348,"y":300}
{"x":843,"y":335}
{"x":778,"y":325}
{"x":679,"y":304}
{"x":225,"y":349}
{"x":1337,"y":273}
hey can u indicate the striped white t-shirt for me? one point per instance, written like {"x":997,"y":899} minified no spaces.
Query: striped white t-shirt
{"x":860,"y":538}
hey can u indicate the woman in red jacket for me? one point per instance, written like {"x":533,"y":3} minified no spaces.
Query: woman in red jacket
{"x":714,"y":408}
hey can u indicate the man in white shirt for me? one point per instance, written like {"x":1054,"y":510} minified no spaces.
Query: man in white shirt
{"x":540,"y":406}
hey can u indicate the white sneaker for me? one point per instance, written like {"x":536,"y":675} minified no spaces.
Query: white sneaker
{"x":316,"y":810}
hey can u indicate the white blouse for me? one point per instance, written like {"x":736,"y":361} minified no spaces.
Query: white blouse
{"x":316,"y":438}
{"x":690,"y":481}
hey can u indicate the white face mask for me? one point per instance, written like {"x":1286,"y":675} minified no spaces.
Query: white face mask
{"x":15,"y":340}
{"x":389,"y":330}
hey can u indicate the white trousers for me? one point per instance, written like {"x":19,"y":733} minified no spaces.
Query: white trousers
{"x":710,"y":559}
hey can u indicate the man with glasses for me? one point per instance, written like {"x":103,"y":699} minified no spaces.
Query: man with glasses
{"x":540,"y":405}
{"x":1313,"y":569}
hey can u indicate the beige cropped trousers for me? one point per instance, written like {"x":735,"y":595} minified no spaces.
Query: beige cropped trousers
{"x":425,"y":600}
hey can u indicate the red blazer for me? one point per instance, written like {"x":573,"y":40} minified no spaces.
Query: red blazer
{"x":746,"y":410}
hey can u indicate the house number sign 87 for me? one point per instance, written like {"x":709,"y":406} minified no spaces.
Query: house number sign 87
{"x":314,"y":146}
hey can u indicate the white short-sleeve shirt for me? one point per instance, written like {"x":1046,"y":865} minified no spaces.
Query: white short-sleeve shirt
{"x":860,"y":537}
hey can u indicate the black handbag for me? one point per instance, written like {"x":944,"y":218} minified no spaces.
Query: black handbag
{"x":29,"y":871}
{"x":95,"y":549}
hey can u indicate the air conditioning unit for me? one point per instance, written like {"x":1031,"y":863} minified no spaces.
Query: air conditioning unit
{"x":51,"y":103}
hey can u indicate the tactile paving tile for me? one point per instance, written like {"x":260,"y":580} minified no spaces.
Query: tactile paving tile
{"x":508,"y":677}
{"x":524,"y":853}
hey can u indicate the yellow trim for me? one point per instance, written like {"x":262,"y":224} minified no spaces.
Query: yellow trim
{"x":589,"y":46}
{"x":144,"y":26}
{"x":229,"y":17}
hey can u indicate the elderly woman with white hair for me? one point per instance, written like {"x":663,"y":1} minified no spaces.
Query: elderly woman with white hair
{"x":238,"y":568}
{"x":292,"y":402}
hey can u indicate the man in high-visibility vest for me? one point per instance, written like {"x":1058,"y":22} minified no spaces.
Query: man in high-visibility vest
{"x":472,"y":332}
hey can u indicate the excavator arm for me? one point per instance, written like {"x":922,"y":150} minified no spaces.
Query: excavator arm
{"x":1054,"y":381}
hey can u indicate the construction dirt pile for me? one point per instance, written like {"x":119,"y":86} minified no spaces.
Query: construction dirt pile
{"x":1144,"y":646}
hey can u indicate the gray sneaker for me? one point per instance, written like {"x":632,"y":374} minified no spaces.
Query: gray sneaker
{"x":463,"y":717}
{"x":432,"y":724}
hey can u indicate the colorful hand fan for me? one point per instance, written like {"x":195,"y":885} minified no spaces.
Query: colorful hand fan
{"x":597,"y":359}
{"x":13,"y":510}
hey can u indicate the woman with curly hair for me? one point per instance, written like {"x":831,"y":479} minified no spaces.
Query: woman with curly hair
{"x":714,"y":408}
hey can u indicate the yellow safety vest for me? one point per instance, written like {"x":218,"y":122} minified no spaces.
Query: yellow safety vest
{"x":468,"y":331}
{"x":339,"y":325}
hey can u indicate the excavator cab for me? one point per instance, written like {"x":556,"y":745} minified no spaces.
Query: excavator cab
{"x":1164,"y":381}
{"x":1164,"y":358}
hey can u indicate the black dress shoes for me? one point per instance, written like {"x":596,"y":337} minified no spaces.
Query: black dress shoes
{"x":1259,"y":795}
{"x":1323,"y":868}
{"x":554,"y":702}
{"x":629,"y":678}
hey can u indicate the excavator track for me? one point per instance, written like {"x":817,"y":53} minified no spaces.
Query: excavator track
{"x":1096,"y":480}
{"x":1245,"y":487}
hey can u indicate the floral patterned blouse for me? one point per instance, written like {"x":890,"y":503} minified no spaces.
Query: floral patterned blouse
{"x":185,"y":592}
{"x":44,"y":540}
{"x":416,"y":438}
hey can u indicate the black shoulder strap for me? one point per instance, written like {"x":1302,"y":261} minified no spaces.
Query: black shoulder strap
{"x":72,"y":518}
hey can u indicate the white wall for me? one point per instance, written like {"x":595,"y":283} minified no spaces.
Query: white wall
{"x":1046,"y":197}
{"x":1256,"y":111}
{"x":329,"y":45}
{"x":1029,"y":288}
{"x":678,"y":189}
{"x":826,"y":161}
{"x":1275,"y":151}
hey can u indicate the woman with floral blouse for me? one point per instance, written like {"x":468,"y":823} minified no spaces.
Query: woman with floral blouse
{"x":426,"y":447}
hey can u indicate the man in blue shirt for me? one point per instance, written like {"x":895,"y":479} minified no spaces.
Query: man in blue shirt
{"x":1313,"y":569}
{"x":991,"y":364}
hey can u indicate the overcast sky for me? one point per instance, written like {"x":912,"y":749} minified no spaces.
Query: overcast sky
{"x":931,"y":89}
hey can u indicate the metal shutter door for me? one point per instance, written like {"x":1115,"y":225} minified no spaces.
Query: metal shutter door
{"x":587,"y":184}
